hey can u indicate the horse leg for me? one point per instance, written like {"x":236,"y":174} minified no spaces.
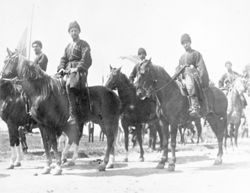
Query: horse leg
{"x":226,"y":136}
{"x":174,"y":129}
{"x":139,"y":137}
{"x":199,"y":130}
{"x":14,"y":140}
{"x":182,"y":141}
{"x":92,"y":135}
{"x":126,"y":133}
{"x":53,"y":141}
{"x":150,"y":137}
{"x":23,"y":139}
{"x":47,"y":147}
{"x":110,"y":134}
{"x":218,"y":125}
{"x":231,"y":133}
{"x":236,"y":133}
{"x":77,"y":141}
{"x":154,"y":136}
{"x":165,"y":131}
{"x":158,"y":128}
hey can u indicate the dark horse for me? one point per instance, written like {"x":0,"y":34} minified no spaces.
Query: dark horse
{"x":13,"y":113}
{"x":236,"y":104}
{"x":134,"y":111}
{"x":154,"y":80}
{"x":49,"y":107}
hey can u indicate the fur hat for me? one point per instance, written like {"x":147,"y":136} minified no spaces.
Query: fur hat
{"x":37,"y":42}
{"x":74,"y":24}
{"x":142,"y":51}
{"x":228,"y":62}
{"x":185,"y":37}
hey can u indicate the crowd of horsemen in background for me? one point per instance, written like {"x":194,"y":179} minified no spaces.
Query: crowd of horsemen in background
{"x":76,"y":61}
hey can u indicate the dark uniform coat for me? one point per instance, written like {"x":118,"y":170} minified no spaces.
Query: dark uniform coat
{"x":41,"y":60}
{"x":76,"y":55}
{"x":195,"y":58}
{"x":227,"y":79}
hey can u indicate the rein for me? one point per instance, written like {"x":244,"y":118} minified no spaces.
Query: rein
{"x":172,"y":79}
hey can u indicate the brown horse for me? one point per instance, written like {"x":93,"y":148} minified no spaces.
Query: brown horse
{"x":13,"y":113}
{"x":49,"y":107}
{"x":134,"y":111}
{"x":236,"y":104}
{"x":154,"y":80}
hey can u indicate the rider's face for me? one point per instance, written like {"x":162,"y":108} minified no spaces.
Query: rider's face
{"x":228,"y":66}
{"x":186,"y":45}
{"x":37,"y":49}
{"x":74,"y":33}
{"x":142,"y":56}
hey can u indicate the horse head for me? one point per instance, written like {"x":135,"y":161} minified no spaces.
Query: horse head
{"x":113,"y":78}
{"x":145,"y":80}
{"x":10,"y":65}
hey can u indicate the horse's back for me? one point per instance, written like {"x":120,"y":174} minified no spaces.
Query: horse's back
{"x":218,"y":99}
{"x":107,"y":99}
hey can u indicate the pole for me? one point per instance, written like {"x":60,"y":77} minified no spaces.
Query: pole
{"x":31,"y":25}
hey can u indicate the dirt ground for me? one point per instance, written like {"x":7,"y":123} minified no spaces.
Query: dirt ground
{"x":195,"y":172}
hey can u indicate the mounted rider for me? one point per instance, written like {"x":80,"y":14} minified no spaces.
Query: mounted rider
{"x":75,"y":64}
{"x":195,"y":76}
{"x":142,"y":57}
{"x":226,"y":81}
{"x":41,"y":59}
{"x":137,"y":59}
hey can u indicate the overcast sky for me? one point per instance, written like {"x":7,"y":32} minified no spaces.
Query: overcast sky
{"x":220,"y":30}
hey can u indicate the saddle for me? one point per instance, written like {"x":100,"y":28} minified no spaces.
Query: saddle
{"x":201,"y":93}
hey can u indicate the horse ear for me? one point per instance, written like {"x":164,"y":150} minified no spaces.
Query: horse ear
{"x":110,"y":67}
{"x":9,"y":52}
{"x":150,"y":60}
{"x":119,"y":69}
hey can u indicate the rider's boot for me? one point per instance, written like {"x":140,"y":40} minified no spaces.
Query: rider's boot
{"x":194,"y":110}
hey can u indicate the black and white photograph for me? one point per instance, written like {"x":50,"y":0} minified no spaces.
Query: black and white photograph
{"x":124,"y":96}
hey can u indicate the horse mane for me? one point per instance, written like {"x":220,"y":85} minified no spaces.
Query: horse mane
{"x":41,"y":83}
{"x":160,"y":74}
{"x":127,"y":81}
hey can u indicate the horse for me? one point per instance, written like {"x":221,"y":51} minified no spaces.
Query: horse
{"x":134,"y":111}
{"x":13,"y":113}
{"x":50,"y":109}
{"x":236,"y":105}
{"x":189,"y":125}
{"x":173,"y":105}
{"x":154,"y":128}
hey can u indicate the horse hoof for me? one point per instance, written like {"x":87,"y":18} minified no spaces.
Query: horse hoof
{"x":218,"y":162}
{"x":110,"y":166}
{"x":160,"y":166}
{"x":125,"y":159}
{"x":171,"y":167}
{"x":102,"y":167}
{"x":46,"y":170}
{"x":57,"y":172}
{"x":141,"y":159}
{"x":17,"y":164}
{"x":10,"y":167}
